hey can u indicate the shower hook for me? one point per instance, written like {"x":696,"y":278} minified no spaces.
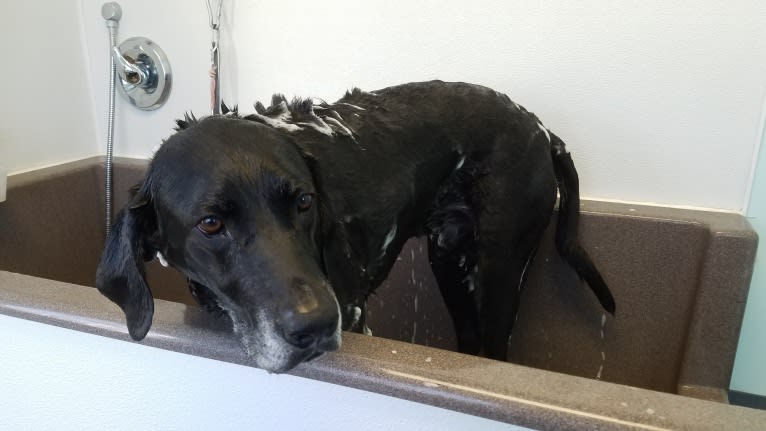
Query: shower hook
{"x":215,"y":16}
{"x":214,"y":13}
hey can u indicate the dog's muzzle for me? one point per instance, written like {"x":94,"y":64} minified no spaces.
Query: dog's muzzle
{"x":302,"y":331}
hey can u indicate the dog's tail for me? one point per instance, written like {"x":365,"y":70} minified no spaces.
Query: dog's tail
{"x":566,"y":230}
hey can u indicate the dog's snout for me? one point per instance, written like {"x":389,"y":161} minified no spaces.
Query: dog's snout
{"x":305,"y":298}
{"x":305,"y":333}
{"x":301,"y":340}
{"x":312,"y":318}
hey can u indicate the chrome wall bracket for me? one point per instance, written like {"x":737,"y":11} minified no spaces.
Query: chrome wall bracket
{"x":143,"y":71}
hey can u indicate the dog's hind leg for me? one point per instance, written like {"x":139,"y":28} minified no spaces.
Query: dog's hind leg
{"x":452,"y":255}
{"x":452,"y":231}
{"x":502,"y":281}
{"x":517,"y":200}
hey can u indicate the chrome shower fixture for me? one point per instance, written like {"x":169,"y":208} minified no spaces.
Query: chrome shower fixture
{"x":142,"y":67}
{"x":143,"y":71}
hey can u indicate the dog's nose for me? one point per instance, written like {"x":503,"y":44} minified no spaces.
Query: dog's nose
{"x":304,"y":333}
{"x":311,"y":318}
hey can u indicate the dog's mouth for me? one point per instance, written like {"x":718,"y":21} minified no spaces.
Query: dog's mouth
{"x":314,"y":355}
{"x":283,"y":357}
{"x":272,"y":352}
{"x":272,"y":346}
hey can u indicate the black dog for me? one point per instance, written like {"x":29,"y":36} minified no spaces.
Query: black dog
{"x":287,"y":219}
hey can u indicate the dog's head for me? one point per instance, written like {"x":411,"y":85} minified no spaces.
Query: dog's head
{"x":232,"y":205}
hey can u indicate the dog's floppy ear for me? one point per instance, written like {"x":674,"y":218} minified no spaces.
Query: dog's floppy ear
{"x":120,"y":275}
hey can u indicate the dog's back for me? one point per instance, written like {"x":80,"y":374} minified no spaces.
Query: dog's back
{"x":466,"y":166}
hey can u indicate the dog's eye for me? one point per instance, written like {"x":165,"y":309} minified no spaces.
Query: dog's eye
{"x":304,"y":201}
{"x":210,"y":225}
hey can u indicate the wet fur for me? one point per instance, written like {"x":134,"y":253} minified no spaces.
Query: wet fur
{"x":459,"y":163}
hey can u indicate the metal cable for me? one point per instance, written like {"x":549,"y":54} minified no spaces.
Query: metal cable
{"x":110,"y":133}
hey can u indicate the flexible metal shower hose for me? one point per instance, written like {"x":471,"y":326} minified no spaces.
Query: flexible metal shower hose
{"x":110,"y":133}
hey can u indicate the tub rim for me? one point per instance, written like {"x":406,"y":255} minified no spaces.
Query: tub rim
{"x":494,"y":390}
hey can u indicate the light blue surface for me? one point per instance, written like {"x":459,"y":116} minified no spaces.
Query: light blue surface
{"x":750,"y":365}
{"x":58,"y":379}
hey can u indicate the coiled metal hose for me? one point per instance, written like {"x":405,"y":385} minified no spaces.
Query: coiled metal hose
{"x":112,"y":12}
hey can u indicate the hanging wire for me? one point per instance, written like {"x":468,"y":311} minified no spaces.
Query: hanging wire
{"x":214,"y":13}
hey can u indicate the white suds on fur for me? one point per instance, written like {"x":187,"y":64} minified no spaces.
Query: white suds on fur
{"x":355,"y":318}
{"x":333,"y":122}
{"x":469,"y":280}
{"x":460,"y":163}
{"x":544,"y":130}
{"x":319,"y":127}
{"x":389,"y":238}
{"x":162,"y":260}
{"x":524,"y":271}
{"x":280,"y":121}
{"x":301,"y":115}
{"x":358,"y":108}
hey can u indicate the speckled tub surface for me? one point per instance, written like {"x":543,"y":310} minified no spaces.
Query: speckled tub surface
{"x":680,"y":279}
{"x":501,"y":391}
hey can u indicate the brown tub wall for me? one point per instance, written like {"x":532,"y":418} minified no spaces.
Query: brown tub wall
{"x":49,"y":212}
{"x":719,"y":308}
{"x":560,"y":322}
{"x":660,"y":339}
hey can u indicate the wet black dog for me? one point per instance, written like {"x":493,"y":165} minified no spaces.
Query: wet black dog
{"x":287,"y":219}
